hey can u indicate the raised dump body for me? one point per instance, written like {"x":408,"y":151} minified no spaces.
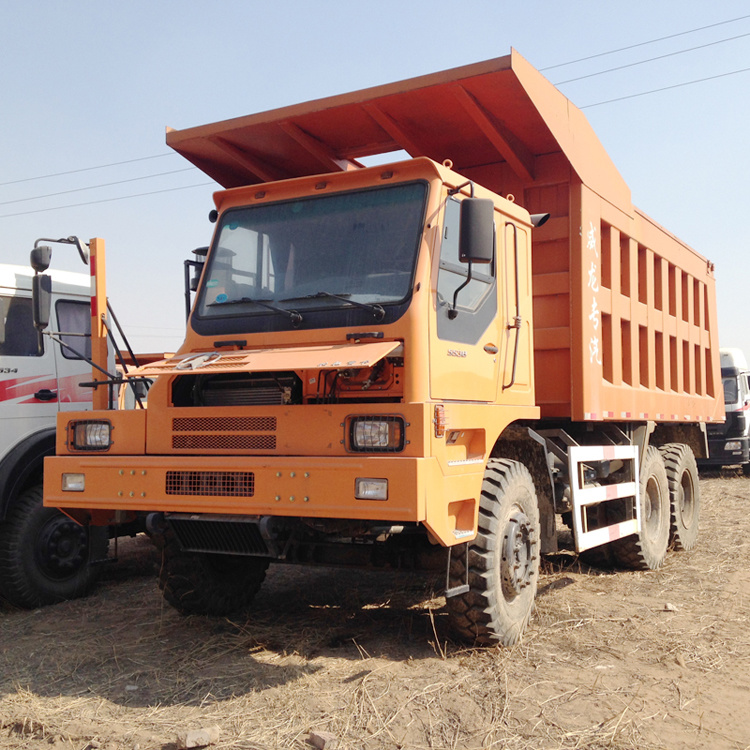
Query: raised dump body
{"x":447,"y":351}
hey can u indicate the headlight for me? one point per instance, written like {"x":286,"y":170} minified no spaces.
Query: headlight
{"x":370,"y":489}
{"x":73,"y":482}
{"x":733,"y":445}
{"x":91,"y":435}
{"x":376,"y":434}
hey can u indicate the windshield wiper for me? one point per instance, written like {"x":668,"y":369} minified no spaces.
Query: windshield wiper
{"x":377,"y":310}
{"x":296,"y":318}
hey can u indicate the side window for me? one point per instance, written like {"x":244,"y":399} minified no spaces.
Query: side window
{"x":477,"y":301}
{"x":74,"y":326}
{"x":18,"y":337}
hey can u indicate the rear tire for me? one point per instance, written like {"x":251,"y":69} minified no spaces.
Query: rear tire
{"x":648,"y":549}
{"x":684,"y":494}
{"x":503,"y":559}
{"x":199,"y":583}
{"x":44,"y":555}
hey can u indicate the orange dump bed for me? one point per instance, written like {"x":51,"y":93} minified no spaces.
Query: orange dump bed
{"x":624,"y":313}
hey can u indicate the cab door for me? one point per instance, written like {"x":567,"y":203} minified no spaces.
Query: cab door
{"x":73,"y":318}
{"x":464,"y":343}
{"x":28,"y":384}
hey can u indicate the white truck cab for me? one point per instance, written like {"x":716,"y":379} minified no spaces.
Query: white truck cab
{"x":44,"y":555}
{"x":729,"y":443}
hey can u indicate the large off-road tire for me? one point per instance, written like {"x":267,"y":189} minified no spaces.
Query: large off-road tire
{"x":503,"y":559}
{"x":199,"y":583}
{"x":647,"y":549}
{"x":44,"y":555}
{"x":684,"y":494}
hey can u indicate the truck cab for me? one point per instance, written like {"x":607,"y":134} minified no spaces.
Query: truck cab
{"x":44,"y":555}
{"x":729,"y":443}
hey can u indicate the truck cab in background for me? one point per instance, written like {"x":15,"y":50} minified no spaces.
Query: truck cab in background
{"x":729,"y":443}
{"x":45,"y":556}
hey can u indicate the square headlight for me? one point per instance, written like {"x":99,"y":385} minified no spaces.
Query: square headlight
{"x":91,"y":435}
{"x":366,"y":488}
{"x":376,"y":434}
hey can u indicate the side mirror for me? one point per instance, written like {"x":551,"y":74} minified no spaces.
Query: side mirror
{"x":41,"y":257}
{"x":41,"y":300}
{"x":477,"y":237}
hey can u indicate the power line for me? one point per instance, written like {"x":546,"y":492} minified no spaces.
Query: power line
{"x":666,"y":88}
{"x":87,"y":169}
{"x":106,"y":200}
{"x":94,"y":187}
{"x":643,"y":44}
{"x":652,"y":59}
{"x":551,"y":67}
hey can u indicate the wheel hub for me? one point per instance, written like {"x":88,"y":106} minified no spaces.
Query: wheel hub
{"x":62,"y":547}
{"x":518,"y":555}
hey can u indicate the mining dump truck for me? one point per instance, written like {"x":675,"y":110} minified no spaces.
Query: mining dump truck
{"x":426,"y":361}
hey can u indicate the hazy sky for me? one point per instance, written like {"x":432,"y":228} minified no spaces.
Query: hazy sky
{"x":94,"y":83}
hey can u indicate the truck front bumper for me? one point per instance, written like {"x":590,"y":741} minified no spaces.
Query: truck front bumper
{"x":726,"y":451}
{"x":416,"y":490}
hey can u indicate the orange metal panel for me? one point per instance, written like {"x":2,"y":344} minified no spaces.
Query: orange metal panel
{"x":267,"y":360}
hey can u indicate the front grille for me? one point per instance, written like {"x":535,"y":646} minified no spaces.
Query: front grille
{"x":225,"y":537}
{"x":196,"y":434}
{"x":216,"y":483}
{"x":223,"y":424}
{"x":224,"y":442}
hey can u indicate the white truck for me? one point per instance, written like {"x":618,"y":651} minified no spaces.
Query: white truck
{"x":45,"y":557}
{"x":729,"y":442}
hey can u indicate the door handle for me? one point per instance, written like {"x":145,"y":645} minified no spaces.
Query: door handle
{"x":45,"y":394}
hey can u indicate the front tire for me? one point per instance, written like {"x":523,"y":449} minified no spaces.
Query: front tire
{"x":44,"y":555}
{"x":200,"y":583}
{"x":647,"y":549}
{"x":503,"y":559}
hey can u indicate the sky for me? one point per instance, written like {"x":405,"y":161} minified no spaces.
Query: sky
{"x":87,"y":88}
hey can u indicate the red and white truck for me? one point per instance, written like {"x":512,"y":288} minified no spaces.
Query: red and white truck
{"x":45,"y":556}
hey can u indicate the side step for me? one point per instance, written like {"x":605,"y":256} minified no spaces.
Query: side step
{"x":585,"y":496}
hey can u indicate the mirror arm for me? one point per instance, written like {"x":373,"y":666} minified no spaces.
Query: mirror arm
{"x":453,"y":311}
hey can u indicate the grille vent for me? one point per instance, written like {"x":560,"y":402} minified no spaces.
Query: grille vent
{"x":211,"y":433}
{"x":216,"y":483}
{"x":224,"y":442}
{"x":226,"y":424}
{"x":219,"y":536}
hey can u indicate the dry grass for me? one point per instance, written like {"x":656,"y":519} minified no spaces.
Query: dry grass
{"x":611,"y":660}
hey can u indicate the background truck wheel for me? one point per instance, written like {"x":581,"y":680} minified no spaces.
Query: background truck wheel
{"x":44,"y":555}
{"x":684,"y":494}
{"x":503,"y":559}
{"x":647,"y":549}
{"x":198,"y":583}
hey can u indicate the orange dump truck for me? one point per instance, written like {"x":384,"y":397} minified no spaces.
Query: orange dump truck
{"x":427,"y":360}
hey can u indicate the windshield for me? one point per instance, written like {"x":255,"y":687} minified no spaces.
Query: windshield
{"x":731,"y":390}
{"x":345,"y":251}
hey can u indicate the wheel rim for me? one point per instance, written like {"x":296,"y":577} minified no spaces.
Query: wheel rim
{"x":517,"y":565}
{"x":62,"y":548}
{"x":651,"y":505}
{"x":686,"y":500}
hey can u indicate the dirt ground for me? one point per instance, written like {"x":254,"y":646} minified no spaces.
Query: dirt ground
{"x":365,"y":660}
